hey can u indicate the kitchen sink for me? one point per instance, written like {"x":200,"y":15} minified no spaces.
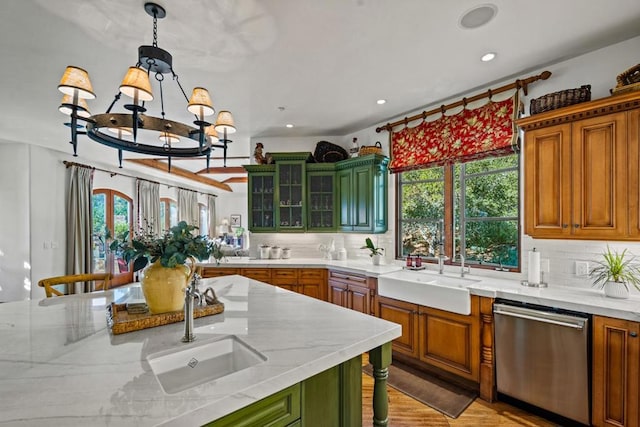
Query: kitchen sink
{"x":183,"y":368}
{"x":428,"y":288}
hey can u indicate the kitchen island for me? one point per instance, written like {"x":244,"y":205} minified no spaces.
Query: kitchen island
{"x":60,"y":365}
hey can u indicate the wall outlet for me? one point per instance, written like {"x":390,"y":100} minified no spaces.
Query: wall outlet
{"x":582,"y":268}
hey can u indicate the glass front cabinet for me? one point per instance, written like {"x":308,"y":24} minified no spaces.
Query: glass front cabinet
{"x":321,"y":196}
{"x":296,"y":195}
{"x":291,"y":180}
{"x":261,"y":197}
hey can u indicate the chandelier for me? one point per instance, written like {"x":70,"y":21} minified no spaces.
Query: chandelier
{"x":121,"y":130}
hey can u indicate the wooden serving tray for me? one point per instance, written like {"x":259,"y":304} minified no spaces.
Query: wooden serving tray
{"x":121,"y":321}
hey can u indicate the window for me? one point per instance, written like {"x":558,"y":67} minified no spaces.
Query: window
{"x":168,"y":213}
{"x":203,"y":223}
{"x":112,"y":211}
{"x":475,"y":205}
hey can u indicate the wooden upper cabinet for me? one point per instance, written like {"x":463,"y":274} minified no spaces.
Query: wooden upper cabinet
{"x":599,"y":177}
{"x":581,"y":171}
{"x":633,"y":131}
{"x":547,"y":175}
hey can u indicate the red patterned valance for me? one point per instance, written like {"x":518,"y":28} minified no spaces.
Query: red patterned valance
{"x":469,"y":135}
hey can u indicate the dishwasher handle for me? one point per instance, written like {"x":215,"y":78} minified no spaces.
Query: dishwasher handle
{"x":542,"y":319}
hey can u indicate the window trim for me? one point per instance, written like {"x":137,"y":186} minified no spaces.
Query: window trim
{"x":116,"y":278}
{"x":167,"y":212}
{"x":449,"y":205}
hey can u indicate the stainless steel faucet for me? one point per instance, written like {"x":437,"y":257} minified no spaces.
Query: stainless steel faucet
{"x":463,"y":269}
{"x":441,"y":259}
{"x":190,"y":293}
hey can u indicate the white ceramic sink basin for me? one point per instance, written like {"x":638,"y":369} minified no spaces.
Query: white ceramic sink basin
{"x":427,"y":288}
{"x":180,"y":369}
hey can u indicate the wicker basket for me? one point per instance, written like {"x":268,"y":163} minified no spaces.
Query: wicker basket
{"x":370,"y":149}
{"x":560,"y":99}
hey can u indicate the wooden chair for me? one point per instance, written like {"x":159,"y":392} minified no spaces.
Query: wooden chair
{"x":49,"y":283}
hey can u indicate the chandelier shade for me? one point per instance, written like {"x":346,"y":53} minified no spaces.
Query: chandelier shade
{"x":129,"y":131}
{"x":67,"y":106}
{"x":200,"y":103}
{"x":136,"y":85}
{"x":75,"y":82}
{"x":225,"y":123}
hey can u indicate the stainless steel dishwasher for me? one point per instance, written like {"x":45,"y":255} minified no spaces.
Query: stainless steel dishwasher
{"x":542,"y":358}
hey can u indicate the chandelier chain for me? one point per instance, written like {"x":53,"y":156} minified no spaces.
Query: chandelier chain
{"x":155,"y":29}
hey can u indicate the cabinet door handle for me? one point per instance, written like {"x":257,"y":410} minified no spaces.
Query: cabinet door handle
{"x":633,"y":334}
{"x":565,"y":225}
{"x":576,"y":225}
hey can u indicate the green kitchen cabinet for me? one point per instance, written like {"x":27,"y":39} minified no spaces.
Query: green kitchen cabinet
{"x":330,"y":398}
{"x":362,"y":187}
{"x":296,"y":195}
{"x":321,"y":197}
{"x":262,"y":197}
{"x":291,"y":191}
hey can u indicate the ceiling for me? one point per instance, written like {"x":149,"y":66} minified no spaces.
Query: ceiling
{"x":319,"y":65}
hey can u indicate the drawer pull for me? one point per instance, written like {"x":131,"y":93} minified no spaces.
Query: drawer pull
{"x":633,"y":334}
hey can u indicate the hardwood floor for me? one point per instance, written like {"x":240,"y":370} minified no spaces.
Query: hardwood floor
{"x":405,"y":411}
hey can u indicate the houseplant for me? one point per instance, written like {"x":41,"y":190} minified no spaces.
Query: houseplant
{"x":375,"y":252}
{"x":164,"y":280}
{"x":614,"y":273}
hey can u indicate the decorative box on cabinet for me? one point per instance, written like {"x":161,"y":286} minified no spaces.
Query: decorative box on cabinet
{"x":581,"y":170}
{"x":616,"y":372}
{"x":362,"y":194}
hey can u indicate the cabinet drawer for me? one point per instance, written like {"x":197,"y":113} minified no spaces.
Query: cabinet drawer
{"x":217,"y":272}
{"x":314,"y":274}
{"x":261,"y":274}
{"x":349,"y":278}
{"x":284,"y":273}
{"x":278,"y":410}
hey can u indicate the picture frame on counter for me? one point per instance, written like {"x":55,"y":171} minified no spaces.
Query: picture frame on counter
{"x":236,"y":220}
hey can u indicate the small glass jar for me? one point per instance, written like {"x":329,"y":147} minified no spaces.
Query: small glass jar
{"x":409,"y":261}
{"x":418,"y":261}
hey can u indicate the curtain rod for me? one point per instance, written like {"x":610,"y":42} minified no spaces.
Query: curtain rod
{"x":112,"y":174}
{"x":518,"y":84}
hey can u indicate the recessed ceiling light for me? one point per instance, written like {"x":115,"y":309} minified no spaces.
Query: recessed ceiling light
{"x":489,"y":56}
{"x":289,"y":125}
{"x":478,"y":16}
{"x":381,"y":101}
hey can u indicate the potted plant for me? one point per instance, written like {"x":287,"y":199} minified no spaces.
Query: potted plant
{"x":164,"y":280}
{"x":614,"y":273}
{"x":375,"y":252}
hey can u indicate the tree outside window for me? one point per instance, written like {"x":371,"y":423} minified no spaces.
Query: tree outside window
{"x":476,"y":204}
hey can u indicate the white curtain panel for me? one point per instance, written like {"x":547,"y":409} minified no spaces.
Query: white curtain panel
{"x":188,"y":210}
{"x":79,"y":221}
{"x":148,"y":199}
{"x":213,"y":221}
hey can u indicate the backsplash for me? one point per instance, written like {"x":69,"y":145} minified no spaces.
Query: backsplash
{"x":563,"y":254}
{"x":306,"y":245}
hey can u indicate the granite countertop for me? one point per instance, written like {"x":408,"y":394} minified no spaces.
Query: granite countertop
{"x":587,"y":300}
{"x":60,"y":365}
